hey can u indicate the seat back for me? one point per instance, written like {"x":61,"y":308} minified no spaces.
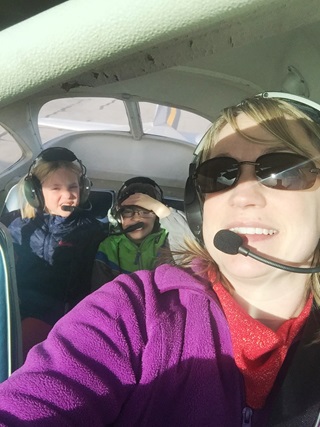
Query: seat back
{"x":10,"y":209}
{"x":10,"y":323}
{"x":11,"y":201}
{"x":101,"y":201}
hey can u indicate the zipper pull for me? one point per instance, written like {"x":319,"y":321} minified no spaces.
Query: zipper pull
{"x":246,"y":417}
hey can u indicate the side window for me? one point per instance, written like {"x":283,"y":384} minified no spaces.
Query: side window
{"x":10,"y":151}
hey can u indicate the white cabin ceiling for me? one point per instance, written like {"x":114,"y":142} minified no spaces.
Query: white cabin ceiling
{"x":199,"y":55}
{"x":142,"y":38}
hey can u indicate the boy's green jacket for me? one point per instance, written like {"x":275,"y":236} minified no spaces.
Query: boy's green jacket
{"x":118,"y":254}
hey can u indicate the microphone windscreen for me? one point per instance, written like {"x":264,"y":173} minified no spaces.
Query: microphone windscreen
{"x":133,"y":227}
{"x":68,"y":208}
{"x":227,"y":241}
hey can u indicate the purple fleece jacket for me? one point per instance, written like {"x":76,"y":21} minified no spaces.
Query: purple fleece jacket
{"x":148,"y":349}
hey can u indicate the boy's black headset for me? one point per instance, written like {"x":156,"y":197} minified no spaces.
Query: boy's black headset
{"x":193,"y":201}
{"x":139,"y":184}
{"x":32,"y":187}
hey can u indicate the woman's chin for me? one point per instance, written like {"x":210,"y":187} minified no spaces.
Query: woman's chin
{"x":242,"y":267}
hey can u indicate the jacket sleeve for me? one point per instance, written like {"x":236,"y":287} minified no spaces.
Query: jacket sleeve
{"x":15,"y":231}
{"x":84,"y":371}
{"x":178,"y":228}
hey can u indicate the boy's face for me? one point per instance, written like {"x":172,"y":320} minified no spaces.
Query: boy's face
{"x":134,"y":214}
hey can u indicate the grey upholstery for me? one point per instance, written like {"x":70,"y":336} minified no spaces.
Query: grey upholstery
{"x":10,"y":323}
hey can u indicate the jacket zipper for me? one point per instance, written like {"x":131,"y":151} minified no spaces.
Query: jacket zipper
{"x":246,"y":417}
{"x":137,"y":259}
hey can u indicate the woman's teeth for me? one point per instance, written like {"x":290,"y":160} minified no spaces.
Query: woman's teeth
{"x":253,"y":230}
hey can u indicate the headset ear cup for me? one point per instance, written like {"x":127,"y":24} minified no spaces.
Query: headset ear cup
{"x":32,"y":192}
{"x":85,"y":188}
{"x":114,"y":216}
{"x":193,"y":208}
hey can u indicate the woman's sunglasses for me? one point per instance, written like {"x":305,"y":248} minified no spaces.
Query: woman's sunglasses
{"x":282,"y":171}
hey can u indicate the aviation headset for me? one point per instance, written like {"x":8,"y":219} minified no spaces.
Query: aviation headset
{"x":139,"y":184}
{"x":193,"y":202}
{"x":32,"y":186}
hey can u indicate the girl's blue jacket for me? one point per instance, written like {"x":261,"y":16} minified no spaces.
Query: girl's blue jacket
{"x":54,"y":258}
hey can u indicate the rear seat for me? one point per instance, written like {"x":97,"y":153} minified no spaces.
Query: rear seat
{"x":101,"y":201}
{"x":10,"y":209}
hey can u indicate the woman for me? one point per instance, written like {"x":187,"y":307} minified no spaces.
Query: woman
{"x":222,"y":340}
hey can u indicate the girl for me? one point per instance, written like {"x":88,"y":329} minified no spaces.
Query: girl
{"x":54,"y":241}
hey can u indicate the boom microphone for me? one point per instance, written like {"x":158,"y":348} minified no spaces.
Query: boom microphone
{"x":71,"y":208}
{"x":231,"y":243}
{"x":132,"y":227}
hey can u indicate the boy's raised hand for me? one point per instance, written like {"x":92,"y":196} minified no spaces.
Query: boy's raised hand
{"x":149,"y":203}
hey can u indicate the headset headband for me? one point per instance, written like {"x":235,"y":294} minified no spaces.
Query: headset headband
{"x":56,"y":154}
{"x":308,"y":107}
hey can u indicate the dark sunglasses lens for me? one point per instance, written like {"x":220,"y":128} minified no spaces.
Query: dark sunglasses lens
{"x":217,"y":174}
{"x":286,"y":171}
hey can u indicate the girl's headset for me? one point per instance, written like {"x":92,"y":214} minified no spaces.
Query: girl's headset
{"x":193,"y":202}
{"x":32,"y":186}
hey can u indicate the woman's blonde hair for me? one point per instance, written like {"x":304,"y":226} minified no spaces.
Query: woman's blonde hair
{"x":272,"y":114}
{"x":41,"y":171}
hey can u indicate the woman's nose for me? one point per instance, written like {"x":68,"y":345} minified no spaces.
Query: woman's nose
{"x":248,"y":191}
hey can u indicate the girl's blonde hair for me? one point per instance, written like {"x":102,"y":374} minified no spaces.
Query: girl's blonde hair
{"x":41,"y":171}
{"x":273,"y":115}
